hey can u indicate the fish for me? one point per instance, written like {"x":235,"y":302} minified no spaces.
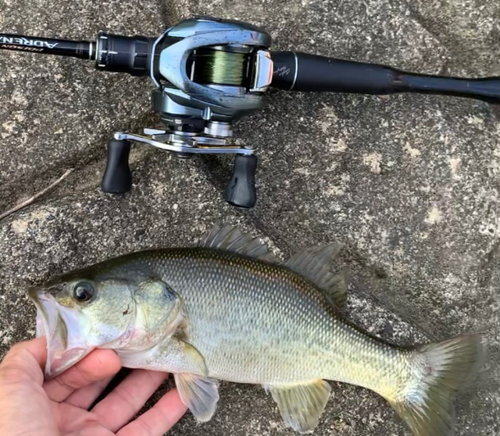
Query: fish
{"x":227,"y":309}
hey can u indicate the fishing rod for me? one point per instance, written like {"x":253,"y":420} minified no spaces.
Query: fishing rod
{"x":209,"y":72}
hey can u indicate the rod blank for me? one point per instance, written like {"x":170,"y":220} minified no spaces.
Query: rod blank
{"x":58,"y":47}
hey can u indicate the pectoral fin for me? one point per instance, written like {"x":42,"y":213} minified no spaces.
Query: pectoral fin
{"x":301,"y":405}
{"x":172,"y":355}
{"x":193,"y":356}
{"x":199,"y":394}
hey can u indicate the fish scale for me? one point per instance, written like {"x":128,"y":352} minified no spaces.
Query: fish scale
{"x":226,"y":296}
{"x":215,"y":312}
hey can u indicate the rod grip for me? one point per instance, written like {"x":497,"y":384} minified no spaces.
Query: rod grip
{"x":306,"y":72}
{"x":241,"y":191}
{"x":117,"y":178}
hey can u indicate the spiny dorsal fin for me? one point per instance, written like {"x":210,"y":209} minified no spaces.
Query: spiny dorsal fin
{"x":231,"y":238}
{"x":314,"y":265}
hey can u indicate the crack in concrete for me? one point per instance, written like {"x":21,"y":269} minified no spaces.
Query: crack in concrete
{"x":486,"y":269}
{"x":80,"y":160}
{"x":419,"y":19}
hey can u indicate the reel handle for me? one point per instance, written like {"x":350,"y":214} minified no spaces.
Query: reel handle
{"x":305,"y":72}
{"x":241,"y":191}
{"x":117,"y":177}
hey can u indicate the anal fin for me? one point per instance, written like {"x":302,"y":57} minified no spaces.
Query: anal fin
{"x":199,"y":394}
{"x":171,"y":355}
{"x":301,"y":405}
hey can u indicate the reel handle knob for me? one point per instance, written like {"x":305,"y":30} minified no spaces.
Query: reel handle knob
{"x":240,"y":191}
{"x":117,"y":177}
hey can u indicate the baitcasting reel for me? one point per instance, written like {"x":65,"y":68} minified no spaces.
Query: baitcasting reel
{"x":210,"y":72}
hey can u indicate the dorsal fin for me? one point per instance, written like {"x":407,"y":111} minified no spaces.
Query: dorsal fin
{"x":231,"y":238}
{"x":314,"y":265}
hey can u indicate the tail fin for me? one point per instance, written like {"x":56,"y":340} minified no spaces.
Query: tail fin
{"x":426,"y":404}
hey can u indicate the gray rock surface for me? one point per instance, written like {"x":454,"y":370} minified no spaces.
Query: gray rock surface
{"x":409,"y":184}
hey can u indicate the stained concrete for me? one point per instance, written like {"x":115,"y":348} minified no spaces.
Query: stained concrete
{"x":409,"y":184}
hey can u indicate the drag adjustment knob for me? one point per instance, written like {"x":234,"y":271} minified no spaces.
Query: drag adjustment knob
{"x":117,"y":178}
{"x":240,"y":191}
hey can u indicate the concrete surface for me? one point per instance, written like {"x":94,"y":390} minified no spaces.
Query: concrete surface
{"x":410,"y":184}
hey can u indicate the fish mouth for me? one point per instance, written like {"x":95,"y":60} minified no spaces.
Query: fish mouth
{"x":56,"y":324}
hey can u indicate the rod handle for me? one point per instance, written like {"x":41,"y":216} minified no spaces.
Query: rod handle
{"x":306,"y":72}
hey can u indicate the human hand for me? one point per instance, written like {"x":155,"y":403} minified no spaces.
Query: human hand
{"x":30,"y":406}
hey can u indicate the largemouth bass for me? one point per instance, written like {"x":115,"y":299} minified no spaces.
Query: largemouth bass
{"x":229,"y":310}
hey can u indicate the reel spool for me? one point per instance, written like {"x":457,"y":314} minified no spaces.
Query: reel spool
{"x":220,"y":66}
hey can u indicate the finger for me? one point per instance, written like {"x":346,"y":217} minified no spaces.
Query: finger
{"x":159,"y":419}
{"x":75,"y":422}
{"x":25,"y":361}
{"x":98,"y":365}
{"x":120,"y":406}
{"x":85,"y":397}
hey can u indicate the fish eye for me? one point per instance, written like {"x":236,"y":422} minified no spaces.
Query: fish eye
{"x":83,"y":292}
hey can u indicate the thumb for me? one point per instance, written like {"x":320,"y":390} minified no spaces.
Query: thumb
{"x":24,"y":362}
